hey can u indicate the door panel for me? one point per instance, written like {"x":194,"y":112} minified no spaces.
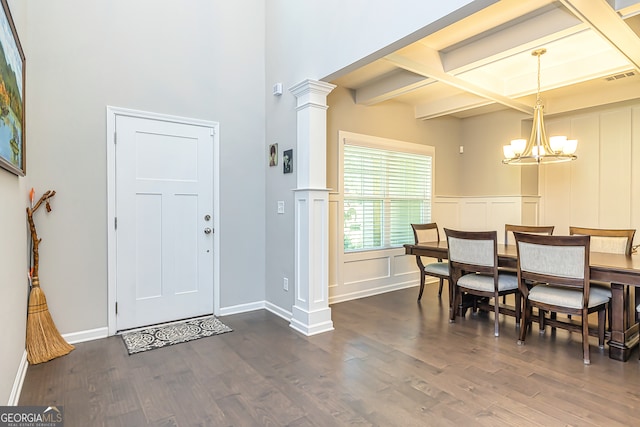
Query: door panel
{"x":164,"y":191}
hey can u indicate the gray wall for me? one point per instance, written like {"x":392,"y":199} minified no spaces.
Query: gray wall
{"x":204,"y":61}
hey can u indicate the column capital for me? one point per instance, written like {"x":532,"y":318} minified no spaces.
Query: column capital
{"x":311,"y":93}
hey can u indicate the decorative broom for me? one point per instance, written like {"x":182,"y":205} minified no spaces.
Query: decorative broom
{"x":44,"y":342}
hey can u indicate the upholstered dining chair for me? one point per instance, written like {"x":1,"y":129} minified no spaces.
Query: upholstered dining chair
{"x":473,"y":262}
{"x":532,"y":229}
{"x":440,"y":269}
{"x":616,"y":241}
{"x":560,"y":266}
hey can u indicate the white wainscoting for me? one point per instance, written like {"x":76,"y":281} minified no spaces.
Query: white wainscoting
{"x":359,"y":274}
{"x":484,"y":213}
{"x":601,"y":188}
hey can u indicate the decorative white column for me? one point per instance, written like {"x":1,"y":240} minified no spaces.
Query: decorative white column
{"x":311,"y":312}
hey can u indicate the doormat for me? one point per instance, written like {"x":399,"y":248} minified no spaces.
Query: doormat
{"x":173,"y":333}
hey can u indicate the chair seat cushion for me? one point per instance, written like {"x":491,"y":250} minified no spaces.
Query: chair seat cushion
{"x":439,"y":268}
{"x":600,"y":288}
{"x":564,"y":297}
{"x":483,"y":282}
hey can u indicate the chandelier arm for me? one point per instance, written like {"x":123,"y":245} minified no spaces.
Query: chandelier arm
{"x":538,"y":148}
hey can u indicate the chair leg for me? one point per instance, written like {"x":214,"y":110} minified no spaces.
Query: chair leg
{"x":585,"y":338}
{"x":496,"y":304}
{"x":455,"y":301}
{"x":601,"y":320}
{"x":524,"y":322}
{"x":518,"y":308}
{"x":541,"y":319}
{"x":422,"y":280}
{"x":440,"y":288}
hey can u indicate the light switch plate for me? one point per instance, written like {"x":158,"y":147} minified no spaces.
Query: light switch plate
{"x":280,"y":206}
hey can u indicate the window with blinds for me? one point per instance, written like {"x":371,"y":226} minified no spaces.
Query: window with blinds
{"x":384,"y":191}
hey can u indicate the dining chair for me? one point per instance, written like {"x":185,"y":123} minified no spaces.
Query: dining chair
{"x":615,"y":241}
{"x":440,"y":269}
{"x":559,"y":265}
{"x":473,"y":262}
{"x":532,"y":229}
{"x":509,"y":240}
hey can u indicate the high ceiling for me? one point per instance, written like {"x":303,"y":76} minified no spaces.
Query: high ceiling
{"x":484,"y":62}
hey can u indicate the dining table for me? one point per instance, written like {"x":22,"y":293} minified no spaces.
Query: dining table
{"x":620,"y":270}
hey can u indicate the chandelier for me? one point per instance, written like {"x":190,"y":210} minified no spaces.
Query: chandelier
{"x":539,"y":149}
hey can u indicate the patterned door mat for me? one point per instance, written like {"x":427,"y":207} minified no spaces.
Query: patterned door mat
{"x":173,"y":333}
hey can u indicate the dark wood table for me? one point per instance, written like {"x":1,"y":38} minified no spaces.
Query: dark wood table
{"x":619,"y":270}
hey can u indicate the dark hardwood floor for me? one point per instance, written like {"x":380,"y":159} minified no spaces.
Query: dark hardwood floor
{"x":390,"y":362}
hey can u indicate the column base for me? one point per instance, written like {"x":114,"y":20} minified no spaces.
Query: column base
{"x":311,"y":323}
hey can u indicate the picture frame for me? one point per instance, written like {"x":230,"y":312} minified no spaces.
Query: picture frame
{"x":12,"y":97}
{"x":273,"y":155}
{"x":287,"y":161}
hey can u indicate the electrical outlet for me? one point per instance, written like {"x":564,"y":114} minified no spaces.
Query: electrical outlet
{"x":285,"y":284}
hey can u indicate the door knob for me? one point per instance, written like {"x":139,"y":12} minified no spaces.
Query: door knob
{"x":207,"y":230}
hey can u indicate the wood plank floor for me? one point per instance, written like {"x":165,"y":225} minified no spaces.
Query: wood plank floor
{"x":389,"y":362}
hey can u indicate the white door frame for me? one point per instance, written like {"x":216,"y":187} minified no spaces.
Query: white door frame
{"x":112,"y":113}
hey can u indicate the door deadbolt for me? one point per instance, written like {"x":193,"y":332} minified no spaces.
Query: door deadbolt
{"x":207,"y":217}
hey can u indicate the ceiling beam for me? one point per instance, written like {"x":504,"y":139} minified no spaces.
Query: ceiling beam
{"x":531,"y":32}
{"x":605,"y":21}
{"x":430,"y":65}
{"x":390,"y":86}
{"x":450,"y":105}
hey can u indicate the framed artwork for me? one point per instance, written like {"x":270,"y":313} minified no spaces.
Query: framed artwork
{"x":12,"y":147}
{"x":273,"y":155}
{"x":287,"y":161}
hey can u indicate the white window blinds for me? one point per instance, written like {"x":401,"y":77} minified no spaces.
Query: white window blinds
{"x":384,"y":192}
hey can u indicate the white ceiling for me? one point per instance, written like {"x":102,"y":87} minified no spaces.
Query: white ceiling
{"x":483,"y":63}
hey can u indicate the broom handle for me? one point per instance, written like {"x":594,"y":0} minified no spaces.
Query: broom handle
{"x":34,"y":235}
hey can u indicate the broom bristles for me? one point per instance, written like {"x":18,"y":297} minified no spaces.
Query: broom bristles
{"x":44,"y":342}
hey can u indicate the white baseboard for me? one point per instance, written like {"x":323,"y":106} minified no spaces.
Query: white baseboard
{"x":242,"y":308}
{"x":88,"y":335}
{"x":278,"y":311}
{"x":258,"y":305}
{"x":371,"y":292}
{"x":14,"y":397}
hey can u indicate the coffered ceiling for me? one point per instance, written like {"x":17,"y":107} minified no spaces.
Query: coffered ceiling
{"x":483,"y":62}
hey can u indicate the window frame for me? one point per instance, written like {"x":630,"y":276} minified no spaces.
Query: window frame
{"x":350,"y":138}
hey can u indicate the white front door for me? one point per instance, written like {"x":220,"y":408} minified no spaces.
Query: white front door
{"x":163,"y":221}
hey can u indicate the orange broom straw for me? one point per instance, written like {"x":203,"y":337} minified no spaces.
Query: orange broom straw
{"x":44,"y":342}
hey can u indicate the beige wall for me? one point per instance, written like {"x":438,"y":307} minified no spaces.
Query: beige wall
{"x":393,"y":121}
{"x":480,"y":167}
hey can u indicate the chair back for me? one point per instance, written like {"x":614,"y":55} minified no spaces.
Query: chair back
{"x":531,"y":229}
{"x":473,"y":250}
{"x":425,"y":232}
{"x":557,"y":260}
{"x":614,"y":241}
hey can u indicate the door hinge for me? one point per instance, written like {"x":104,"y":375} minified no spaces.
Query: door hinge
{"x":115,"y":223}
{"x":115,"y":137}
{"x":116,"y":307}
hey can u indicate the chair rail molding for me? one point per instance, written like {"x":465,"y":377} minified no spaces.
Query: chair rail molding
{"x":311,"y":313}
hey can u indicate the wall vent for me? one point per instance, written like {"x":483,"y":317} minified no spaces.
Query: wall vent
{"x":620,"y":76}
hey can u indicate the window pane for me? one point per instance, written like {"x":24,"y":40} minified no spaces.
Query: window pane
{"x":362,"y":224}
{"x":403,"y":214}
